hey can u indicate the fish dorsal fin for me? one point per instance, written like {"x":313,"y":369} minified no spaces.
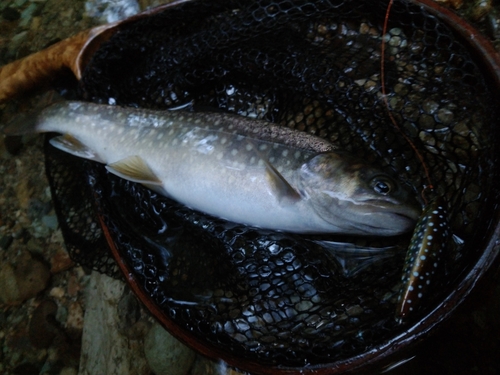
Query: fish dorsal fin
{"x":134,"y":168}
{"x":73,"y":146}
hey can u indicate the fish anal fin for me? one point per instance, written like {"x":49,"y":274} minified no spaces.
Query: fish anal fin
{"x":134,"y":168}
{"x":73,"y":146}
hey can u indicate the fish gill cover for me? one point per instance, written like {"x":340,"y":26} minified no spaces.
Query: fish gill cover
{"x":275,"y":298}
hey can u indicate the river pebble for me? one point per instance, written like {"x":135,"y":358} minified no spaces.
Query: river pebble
{"x":165,"y":354}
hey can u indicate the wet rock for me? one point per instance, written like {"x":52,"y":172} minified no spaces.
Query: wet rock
{"x":26,"y":369}
{"x":104,"y":349}
{"x":111,"y":11}
{"x":9,"y":291}
{"x":73,"y":286}
{"x":205,"y":366}
{"x":5,"y":242}
{"x":165,"y":354}
{"x":10,"y":14}
{"x":69,"y":371}
{"x":23,"y":280}
{"x":24,"y":192}
{"x":27,"y":14}
{"x":57,"y":292}
{"x":60,"y":262}
{"x":50,"y":221}
{"x":133,"y":323}
{"x":43,"y":326}
{"x":74,"y":323}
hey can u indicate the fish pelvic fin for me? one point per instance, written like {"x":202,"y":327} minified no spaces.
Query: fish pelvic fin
{"x":134,"y":168}
{"x":73,"y":146}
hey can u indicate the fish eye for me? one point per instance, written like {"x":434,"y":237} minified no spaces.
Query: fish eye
{"x":382,"y":185}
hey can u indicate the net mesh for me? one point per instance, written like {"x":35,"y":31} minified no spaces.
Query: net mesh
{"x":313,"y":66}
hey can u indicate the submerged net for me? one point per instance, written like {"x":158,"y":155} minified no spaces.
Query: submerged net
{"x":314,"y":66}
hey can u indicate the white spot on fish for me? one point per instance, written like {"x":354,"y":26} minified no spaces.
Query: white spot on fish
{"x":234,"y":152}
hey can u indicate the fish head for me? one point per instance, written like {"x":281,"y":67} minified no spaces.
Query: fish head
{"x":360,"y":199}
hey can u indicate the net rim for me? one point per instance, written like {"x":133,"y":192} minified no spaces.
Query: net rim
{"x":414,"y":332}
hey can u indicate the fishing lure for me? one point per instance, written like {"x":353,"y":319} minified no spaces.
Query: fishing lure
{"x":423,"y":257}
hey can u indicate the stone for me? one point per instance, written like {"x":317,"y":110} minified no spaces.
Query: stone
{"x":43,"y":327}
{"x":104,"y":349}
{"x":24,"y":192}
{"x":32,"y":276}
{"x":206,"y":366}
{"x":5,"y":242}
{"x":74,"y":323}
{"x":50,"y":221}
{"x":133,"y":323}
{"x":9,"y":292}
{"x":57,"y":292}
{"x":60,"y":261}
{"x":165,"y":354}
{"x":23,"y":280}
{"x":11,"y":14}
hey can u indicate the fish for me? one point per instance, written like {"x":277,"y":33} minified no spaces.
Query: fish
{"x":239,"y":169}
{"x":423,"y":258}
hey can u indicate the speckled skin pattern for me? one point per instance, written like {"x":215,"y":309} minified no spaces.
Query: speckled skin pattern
{"x":239,"y":169}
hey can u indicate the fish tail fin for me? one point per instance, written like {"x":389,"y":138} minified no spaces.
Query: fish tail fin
{"x":23,"y":123}
{"x":26,"y":122}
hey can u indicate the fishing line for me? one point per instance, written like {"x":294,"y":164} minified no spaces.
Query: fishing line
{"x":388,"y":108}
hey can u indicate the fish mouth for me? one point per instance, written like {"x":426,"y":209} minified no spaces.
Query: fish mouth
{"x":410,"y":212}
{"x":389,"y":223}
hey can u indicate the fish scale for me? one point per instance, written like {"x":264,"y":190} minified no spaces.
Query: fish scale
{"x":423,"y":257}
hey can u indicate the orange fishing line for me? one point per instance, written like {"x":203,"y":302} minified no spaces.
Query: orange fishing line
{"x":386,"y":102}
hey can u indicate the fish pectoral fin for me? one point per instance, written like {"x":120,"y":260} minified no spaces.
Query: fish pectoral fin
{"x":280,"y":185}
{"x":73,"y":146}
{"x":283,"y":189}
{"x":134,"y":168}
